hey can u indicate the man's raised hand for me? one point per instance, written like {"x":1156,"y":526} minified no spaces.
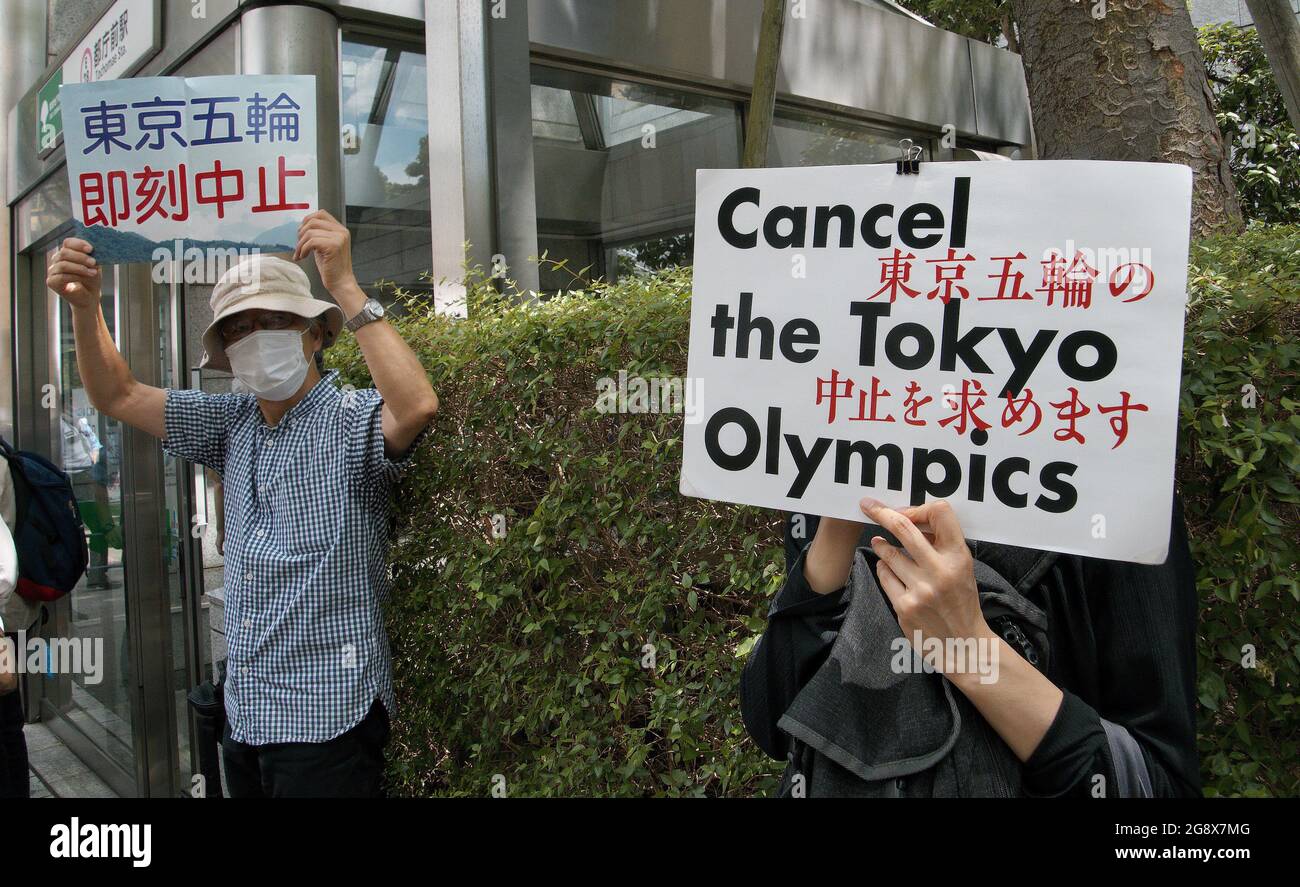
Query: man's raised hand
{"x":74,"y":274}
{"x":328,"y":241}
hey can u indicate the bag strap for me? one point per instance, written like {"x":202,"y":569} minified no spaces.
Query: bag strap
{"x":1131,"y":774}
{"x":1022,"y":567}
{"x":18,"y":478}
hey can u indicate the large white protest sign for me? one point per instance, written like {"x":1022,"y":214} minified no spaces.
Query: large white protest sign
{"x":223,"y":162}
{"x":1006,"y":336}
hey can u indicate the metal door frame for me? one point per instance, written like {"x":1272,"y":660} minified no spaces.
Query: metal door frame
{"x":144,"y":498}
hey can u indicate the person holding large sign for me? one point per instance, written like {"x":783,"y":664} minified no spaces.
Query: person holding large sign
{"x":990,"y":354}
{"x":308,"y":469}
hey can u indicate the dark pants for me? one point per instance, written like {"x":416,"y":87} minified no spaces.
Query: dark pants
{"x":14,"y":781}
{"x":348,"y":766}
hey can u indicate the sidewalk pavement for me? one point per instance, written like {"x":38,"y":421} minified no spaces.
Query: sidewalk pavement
{"x":58,"y":773}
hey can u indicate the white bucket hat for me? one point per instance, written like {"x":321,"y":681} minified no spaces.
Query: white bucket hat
{"x":269,"y":283}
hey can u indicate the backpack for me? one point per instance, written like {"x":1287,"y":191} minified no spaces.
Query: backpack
{"x":49,"y":534}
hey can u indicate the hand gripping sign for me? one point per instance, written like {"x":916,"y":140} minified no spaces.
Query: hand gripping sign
{"x":1007,"y":336}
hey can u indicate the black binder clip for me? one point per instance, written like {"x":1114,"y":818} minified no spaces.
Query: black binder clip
{"x":909,"y":161}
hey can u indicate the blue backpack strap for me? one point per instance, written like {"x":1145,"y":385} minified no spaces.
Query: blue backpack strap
{"x":52,"y":553}
{"x":19,"y":480}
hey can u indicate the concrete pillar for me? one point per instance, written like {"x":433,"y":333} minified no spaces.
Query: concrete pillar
{"x":510,"y":94}
{"x":295,"y":39}
{"x":22,"y":60}
{"x":460,"y":170}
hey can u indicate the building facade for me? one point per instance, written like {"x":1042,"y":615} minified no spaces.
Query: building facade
{"x":1216,"y":12}
{"x":566,"y":127}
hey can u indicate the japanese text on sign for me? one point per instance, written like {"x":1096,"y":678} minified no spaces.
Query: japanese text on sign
{"x":233,"y":158}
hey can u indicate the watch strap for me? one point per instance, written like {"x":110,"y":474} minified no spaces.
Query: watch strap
{"x":366,"y":315}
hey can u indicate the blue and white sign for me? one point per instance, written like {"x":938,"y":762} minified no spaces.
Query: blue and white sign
{"x":220,"y":162}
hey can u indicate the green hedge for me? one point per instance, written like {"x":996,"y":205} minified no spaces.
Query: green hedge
{"x":1264,"y":153}
{"x":1238,"y":465}
{"x":525,"y":657}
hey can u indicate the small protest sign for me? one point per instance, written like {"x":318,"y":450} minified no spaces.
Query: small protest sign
{"x":1006,"y":336}
{"x":225,"y":163}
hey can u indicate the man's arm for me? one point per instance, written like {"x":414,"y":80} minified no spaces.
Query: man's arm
{"x":75,"y":276}
{"x":409,"y":400}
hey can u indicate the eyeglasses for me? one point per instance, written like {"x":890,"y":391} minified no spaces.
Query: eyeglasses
{"x":233,"y":329}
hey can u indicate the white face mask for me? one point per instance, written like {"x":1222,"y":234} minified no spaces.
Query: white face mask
{"x":270,"y":363}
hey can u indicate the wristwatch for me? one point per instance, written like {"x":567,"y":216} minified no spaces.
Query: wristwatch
{"x":370,"y":312}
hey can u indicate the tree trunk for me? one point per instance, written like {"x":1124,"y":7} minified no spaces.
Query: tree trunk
{"x":1279,"y":31}
{"x":1128,"y":85}
{"x":762,"y":102}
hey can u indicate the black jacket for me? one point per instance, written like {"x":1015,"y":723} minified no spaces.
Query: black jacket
{"x":1122,"y":642}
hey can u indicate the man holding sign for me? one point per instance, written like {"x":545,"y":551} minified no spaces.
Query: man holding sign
{"x":986,"y":352}
{"x":227,"y":165}
{"x":307,"y":469}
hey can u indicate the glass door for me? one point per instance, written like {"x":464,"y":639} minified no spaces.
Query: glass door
{"x":95,"y":700}
{"x":122,"y":708}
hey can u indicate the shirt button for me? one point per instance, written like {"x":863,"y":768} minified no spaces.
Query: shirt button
{"x":261,"y":532}
{"x":248,"y":577}
{"x":248,"y":623}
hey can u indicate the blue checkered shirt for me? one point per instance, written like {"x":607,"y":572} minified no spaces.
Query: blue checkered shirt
{"x":306,"y":505}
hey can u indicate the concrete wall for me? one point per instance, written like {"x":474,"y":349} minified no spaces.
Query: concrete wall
{"x":1213,"y":12}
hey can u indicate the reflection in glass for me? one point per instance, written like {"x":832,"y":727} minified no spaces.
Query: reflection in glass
{"x":673,"y":251}
{"x":97,"y":697}
{"x":43,"y":210}
{"x":800,"y":139}
{"x":385,"y":132}
{"x":615,"y":168}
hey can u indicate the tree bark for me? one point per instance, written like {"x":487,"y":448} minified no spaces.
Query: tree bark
{"x":1009,"y":30}
{"x":1128,"y":85}
{"x":1279,"y":31}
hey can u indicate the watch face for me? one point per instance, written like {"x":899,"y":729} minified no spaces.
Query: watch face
{"x":376,"y":309}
